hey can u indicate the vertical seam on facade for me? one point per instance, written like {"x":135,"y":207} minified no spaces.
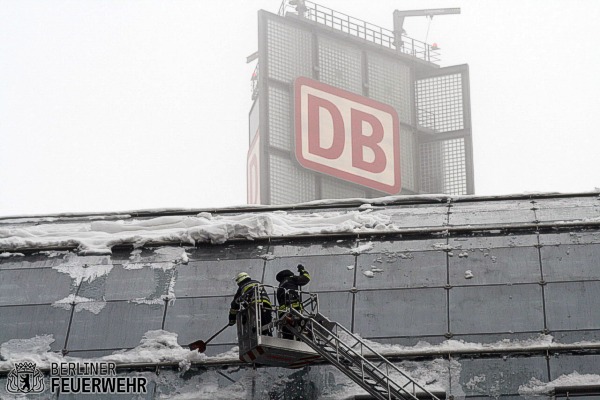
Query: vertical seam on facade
{"x":71,"y":318}
{"x":354,"y":293}
{"x":539,"y":250}
{"x":448,"y":267}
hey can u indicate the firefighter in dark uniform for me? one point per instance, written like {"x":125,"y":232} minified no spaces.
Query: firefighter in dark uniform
{"x":287,"y":293}
{"x":247,"y":292}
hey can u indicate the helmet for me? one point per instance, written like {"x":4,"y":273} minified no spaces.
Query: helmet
{"x":281,"y":275}
{"x":242,"y":276}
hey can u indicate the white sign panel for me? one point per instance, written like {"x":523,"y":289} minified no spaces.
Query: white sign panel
{"x":347,"y":136}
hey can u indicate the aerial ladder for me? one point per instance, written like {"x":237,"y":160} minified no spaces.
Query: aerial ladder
{"x":320,"y":339}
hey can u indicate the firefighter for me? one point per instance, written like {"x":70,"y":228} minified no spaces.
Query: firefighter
{"x":247,"y":292}
{"x":287,"y":293}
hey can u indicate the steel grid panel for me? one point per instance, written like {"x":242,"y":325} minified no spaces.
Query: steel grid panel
{"x":280,"y":134}
{"x":289,"y":51}
{"x":497,"y":378}
{"x":196,"y":317}
{"x":490,"y":309}
{"x":29,"y":321}
{"x":283,"y":248}
{"x":567,"y":262}
{"x":340,"y":65}
{"x":401,"y":312}
{"x":455,"y":168}
{"x":332,"y":189}
{"x":572,"y":306}
{"x":443,"y":167}
{"x":33,"y":286}
{"x":390,"y":83}
{"x":407,"y":146}
{"x":288,"y":183}
{"x":214,"y":277}
{"x":440,"y":103}
{"x":118,"y":324}
{"x":516,"y":211}
{"x":431,"y":167}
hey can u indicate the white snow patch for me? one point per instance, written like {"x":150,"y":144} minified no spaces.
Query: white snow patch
{"x":98,"y":237}
{"x":267,"y":257}
{"x":35,"y":350}
{"x":468,"y":274}
{"x":350,"y":267}
{"x":375,"y":269}
{"x":52,"y":254}
{"x":185,"y":258}
{"x":7,"y":254}
{"x":136,"y":255}
{"x":155,"y":347}
{"x":537,"y":387}
{"x":475,"y":381}
{"x":368,"y":274}
{"x":84,"y":273}
{"x":362,"y":248}
{"x":464,"y":254}
{"x":81,"y":303}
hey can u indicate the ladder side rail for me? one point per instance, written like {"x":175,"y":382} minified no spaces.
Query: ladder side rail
{"x":334,"y":359}
{"x":381,"y":358}
{"x":376,"y":374}
{"x":374,"y":371}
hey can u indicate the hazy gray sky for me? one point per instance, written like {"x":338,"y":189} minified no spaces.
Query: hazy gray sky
{"x":121,"y":105}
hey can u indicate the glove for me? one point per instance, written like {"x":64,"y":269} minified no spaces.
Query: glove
{"x":231,"y":322}
{"x":300,"y":268}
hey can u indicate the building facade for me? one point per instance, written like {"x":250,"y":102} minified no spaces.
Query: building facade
{"x":474,"y":297}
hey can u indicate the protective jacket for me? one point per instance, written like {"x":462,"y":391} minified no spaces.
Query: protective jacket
{"x":287,"y":293}
{"x":247,"y":292}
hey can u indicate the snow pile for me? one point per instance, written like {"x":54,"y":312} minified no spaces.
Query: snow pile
{"x":537,"y":387}
{"x":98,"y":237}
{"x":36,"y":350}
{"x":457,"y":346}
{"x":7,"y":254}
{"x":156,"y":346}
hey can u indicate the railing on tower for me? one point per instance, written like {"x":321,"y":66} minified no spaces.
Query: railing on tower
{"x":360,"y":29}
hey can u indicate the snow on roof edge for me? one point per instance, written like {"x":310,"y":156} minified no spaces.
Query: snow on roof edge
{"x":385,"y":200}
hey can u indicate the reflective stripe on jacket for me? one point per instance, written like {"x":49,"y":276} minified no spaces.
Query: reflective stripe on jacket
{"x":247,"y":291}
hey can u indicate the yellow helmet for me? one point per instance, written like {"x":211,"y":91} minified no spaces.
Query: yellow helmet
{"x":242,"y":276}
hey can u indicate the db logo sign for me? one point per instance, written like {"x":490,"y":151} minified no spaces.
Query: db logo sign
{"x":348,"y":136}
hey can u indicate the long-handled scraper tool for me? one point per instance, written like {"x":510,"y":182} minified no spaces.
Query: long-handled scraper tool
{"x":200,"y":345}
